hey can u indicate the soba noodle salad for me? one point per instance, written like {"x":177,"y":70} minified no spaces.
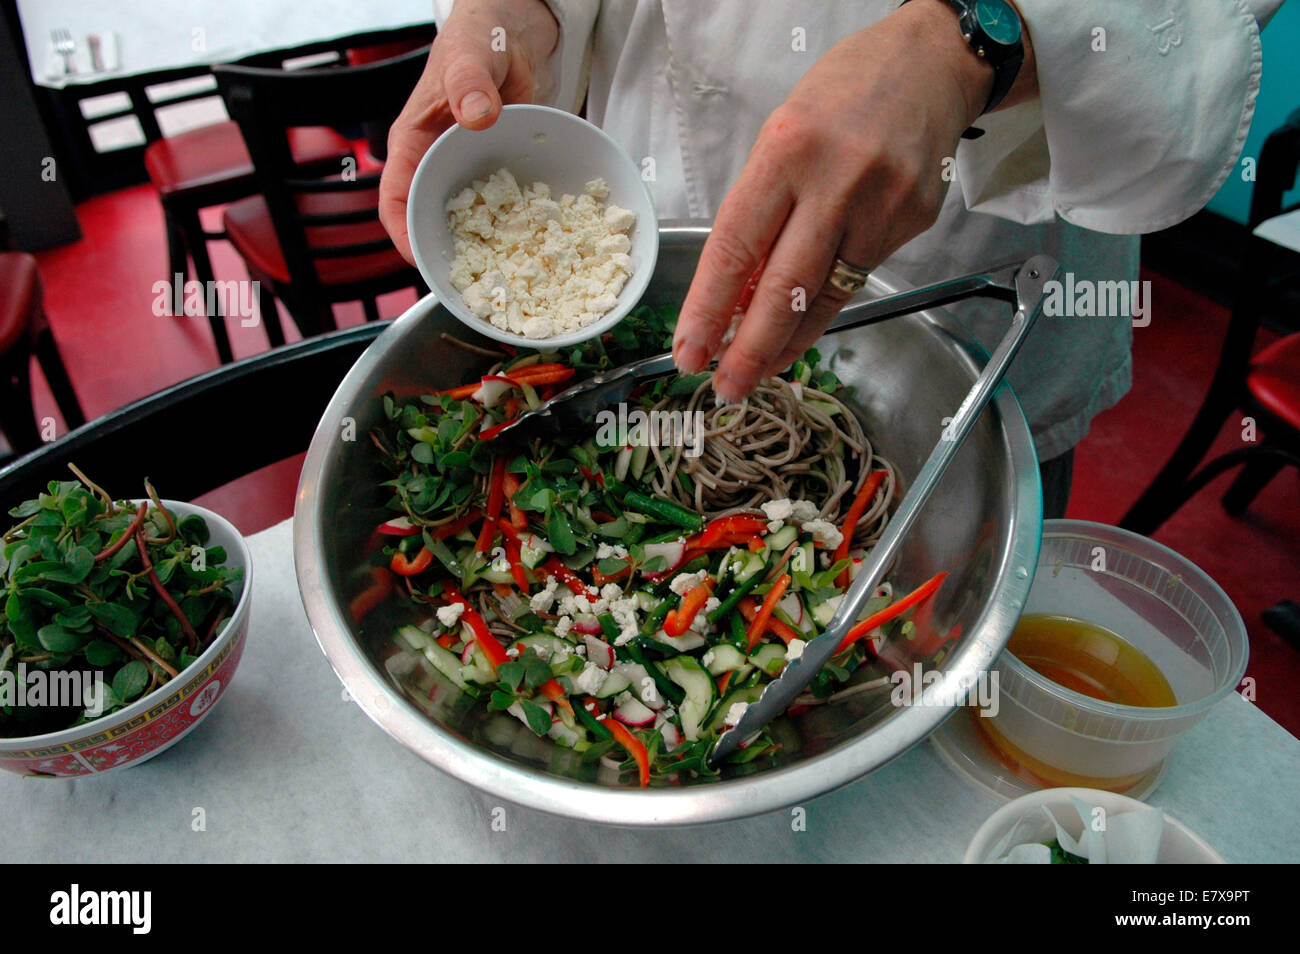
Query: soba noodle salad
{"x":628,"y":593}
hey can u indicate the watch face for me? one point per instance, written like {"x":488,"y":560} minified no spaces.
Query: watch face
{"x":998,"y":20}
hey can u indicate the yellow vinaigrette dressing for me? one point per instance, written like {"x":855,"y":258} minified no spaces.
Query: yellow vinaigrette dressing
{"x":1089,"y":660}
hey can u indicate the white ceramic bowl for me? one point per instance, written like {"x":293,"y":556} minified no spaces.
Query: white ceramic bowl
{"x":537,"y":144}
{"x":161,"y":718}
{"x":1178,"y":843}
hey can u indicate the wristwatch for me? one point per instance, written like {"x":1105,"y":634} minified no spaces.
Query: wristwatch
{"x":992,"y":28}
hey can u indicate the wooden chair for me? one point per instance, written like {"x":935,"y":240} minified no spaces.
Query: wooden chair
{"x":24,"y":332}
{"x":1266,"y":387}
{"x":312,"y":242}
{"x":211,"y":166}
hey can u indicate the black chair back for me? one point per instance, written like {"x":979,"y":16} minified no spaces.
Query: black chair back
{"x":267,"y":102}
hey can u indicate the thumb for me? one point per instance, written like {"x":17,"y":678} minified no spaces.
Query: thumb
{"x":470,"y":89}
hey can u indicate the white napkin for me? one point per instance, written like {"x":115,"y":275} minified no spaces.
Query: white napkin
{"x":1131,"y":837}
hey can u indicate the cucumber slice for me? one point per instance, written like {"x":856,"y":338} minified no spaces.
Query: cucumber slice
{"x":769,"y":657}
{"x":777,"y":542}
{"x":700,"y":693}
{"x":746,"y":695}
{"x":723,"y":658}
{"x":614,"y":683}
{"x":545,"y":645}
{"x":445,"y":662}
{"x":747,"y":564}
{"x":825,"y":610}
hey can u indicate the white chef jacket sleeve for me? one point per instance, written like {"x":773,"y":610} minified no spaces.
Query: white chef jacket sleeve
{"x":1143,"y":109}
{"x":566,"y":87}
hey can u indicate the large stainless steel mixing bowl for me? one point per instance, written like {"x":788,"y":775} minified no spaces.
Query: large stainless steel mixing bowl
{"x":982,"y":526}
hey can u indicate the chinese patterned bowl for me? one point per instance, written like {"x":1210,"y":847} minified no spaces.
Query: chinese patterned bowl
{"x":160,"y":718}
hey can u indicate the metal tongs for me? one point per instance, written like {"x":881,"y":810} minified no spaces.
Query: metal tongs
{"x":1020,"y":285}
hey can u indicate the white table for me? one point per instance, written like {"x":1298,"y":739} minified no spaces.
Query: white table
{"x":168,"y":34}
{"x":286,"y":768}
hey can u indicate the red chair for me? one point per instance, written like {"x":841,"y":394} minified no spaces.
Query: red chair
{"x":211,"y":166}
{"x":24,"y":331}
{"x":312,"y":242}
{"x":1265,"y":387}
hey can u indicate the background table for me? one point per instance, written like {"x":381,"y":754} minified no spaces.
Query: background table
{"x":287,"y":768}
{"x":166,"y":34}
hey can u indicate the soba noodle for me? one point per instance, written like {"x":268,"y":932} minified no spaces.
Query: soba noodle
{"x":775,"y":444}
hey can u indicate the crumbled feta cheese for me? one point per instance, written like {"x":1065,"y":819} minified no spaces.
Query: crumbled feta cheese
{"x":736,"y":712}
{"x":604,"y":551}
{"x":563,"y":625}
{"x":778,"y":509}
{"x":544,"y":599}
{"x":824,"y":532}
{"x":707,"y":661}
{"x":802,"y":511}
{"x":589,"y":679}
{"x":449,"y":614}
{"x":794,"y":649}
{"x":624,"y":613}
{"x":535,"y":266}
{"x":683,"y":583}
{"x":610,"y":592}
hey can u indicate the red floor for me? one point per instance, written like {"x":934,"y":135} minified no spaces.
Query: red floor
{"x":99,"y":295}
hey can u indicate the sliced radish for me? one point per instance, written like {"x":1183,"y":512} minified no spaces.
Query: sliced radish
{"x":632,"y":712}
{"x":599,"y":652}
{"x":671,"y":735}
{"x":586,"y":624}
{"x":792,"y":606}
{"x":533,"y":542}
{"x":399,"y":527}
{"x":491,"y":389}
{"x":641,"y":685}
{"x":674,"y":552}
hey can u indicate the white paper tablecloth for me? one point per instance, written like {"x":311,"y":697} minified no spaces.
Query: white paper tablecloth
{"x":287,"y":769}
{"x":166,"y":34}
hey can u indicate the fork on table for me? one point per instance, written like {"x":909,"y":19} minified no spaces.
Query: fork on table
{"x":65,"y":46}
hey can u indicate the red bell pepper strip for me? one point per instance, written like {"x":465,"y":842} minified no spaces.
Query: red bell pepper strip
{"x":555,"y":568}
{"x":714,"y":535}
{"x":555,"y":692}
{"x":760,"y":621}
{"x":490,"y":646}
{"x":404,"y":567}
{"x":856,"y":510}
{"x":723,"y":681}
{"x":894,"y":609}
{"x":536,"y":374}
{"x":462,"y":392}
{"x":601,"y":579}
{"x":495,"y":495}
{"x":380,"y":587}
{"x":633,"y":746}
{"x":488,"y":433}
{"x":518,"y":519}
{"x":446,"y":640}
{"x":515,"y":559}
{"x":679,"y":620}
{"x":749,"y":609}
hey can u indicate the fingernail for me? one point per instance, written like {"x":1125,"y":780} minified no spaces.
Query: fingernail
{"x":475,"y":105}
{"x":726,"y":388}
{"x":690,"y":357}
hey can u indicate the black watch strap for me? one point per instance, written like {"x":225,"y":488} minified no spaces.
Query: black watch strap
{"x":1005,"y":60}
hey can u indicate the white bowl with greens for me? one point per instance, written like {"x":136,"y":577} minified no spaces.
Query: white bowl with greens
{"x":98,"y":669}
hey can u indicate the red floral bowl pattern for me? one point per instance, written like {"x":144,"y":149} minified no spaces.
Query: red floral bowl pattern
{"x":163,"y":717}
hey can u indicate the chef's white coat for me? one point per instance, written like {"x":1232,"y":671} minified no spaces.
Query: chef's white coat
{"x":1143,"y":109}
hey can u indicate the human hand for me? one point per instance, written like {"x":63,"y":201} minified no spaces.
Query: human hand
{"x":850,"y":165}
{"x":489,"y":53}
